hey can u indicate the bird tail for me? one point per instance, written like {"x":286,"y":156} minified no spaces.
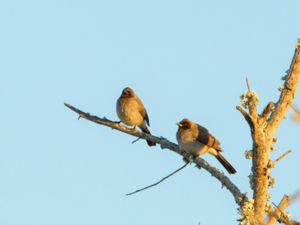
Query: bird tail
{"x":145,"y":130}
{"x":225,"y":163}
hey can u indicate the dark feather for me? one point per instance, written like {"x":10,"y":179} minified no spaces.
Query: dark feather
{"x":230,"y":169}
{"x":208,"y":139}
{"x":145,"y":130}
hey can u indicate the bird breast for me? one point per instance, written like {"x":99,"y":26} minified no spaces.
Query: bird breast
{"x":128,"y":111}
{"x":190,"y":145}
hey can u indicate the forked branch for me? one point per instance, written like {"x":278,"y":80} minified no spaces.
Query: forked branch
{"x":263,"y":127}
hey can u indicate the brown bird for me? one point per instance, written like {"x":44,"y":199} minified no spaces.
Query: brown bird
{"x":132,"y":112}
{"x":196,"y":140}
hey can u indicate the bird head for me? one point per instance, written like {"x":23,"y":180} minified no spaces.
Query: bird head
{"x":185,"y":124}
{"x":128,"y":92}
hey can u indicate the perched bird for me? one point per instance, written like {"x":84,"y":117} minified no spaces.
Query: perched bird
{"x":196,"y":140}
{"x":132,"y":112}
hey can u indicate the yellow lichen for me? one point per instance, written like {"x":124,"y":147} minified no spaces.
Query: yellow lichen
{"x":249,"y":98}
{"x":248,"y":154}
{"x":247,"y":212}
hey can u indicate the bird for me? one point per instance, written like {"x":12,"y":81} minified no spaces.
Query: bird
{"x":196,"y":140}
{"x":132,"y":112}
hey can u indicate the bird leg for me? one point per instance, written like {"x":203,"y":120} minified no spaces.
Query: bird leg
{"x":188,"y":158}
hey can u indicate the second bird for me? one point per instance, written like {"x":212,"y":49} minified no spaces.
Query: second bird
{"x":132,"y":112}
{"x":196,"y":140}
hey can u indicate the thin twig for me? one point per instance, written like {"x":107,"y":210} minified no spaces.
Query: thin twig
{"x":281,"y":157}
{"x":271,"y":164}
{"x":135,"y":140}
{"x":152,"y":185}
{"x":252,"y":101}
{"x":295,"y":196}
{"x":294,"y":107}
{"x":248,"y":84}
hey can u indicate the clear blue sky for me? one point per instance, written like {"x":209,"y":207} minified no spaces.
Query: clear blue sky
{"x":183,"y":58}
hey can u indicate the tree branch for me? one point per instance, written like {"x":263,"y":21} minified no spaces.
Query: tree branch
{"x":282,"y":156}
{"x":264,"y":135}
{"x":263,"y":131}
{"x":158,"y":182}
{"x":266,"y":112}
{"x":246,"y":116}
{"x":252,"y":102}
{"x":166,"y":144}
{"x":288,"y":92}
{"x":275,"y":215}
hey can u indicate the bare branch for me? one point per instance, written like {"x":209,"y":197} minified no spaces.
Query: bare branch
{"x":275,"y":215}
{"x":248,"y":84}
{"x":263,"y":138}
{"x":239,"y":197}
{"x":158,"y":182}
{"x":282,"y":156}
{"x":135,"y":140}
{"x":279,"y":210}
{"x":266,"y":112}
{"x":166,"y":144}
{"x":246,"y":116}
{"x":288,"y":92}
{"x":272,"y":164}
{"x":252,"y":101}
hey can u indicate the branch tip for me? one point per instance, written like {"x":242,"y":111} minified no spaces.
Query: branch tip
{"x":135,"y":140}
{"x":158,"y":182}
{"x":248,"y":84}
{"x":282,"y":156}
{"x":246,"y":116}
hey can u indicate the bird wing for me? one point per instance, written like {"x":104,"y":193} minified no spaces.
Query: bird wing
{"x":208,"y":139}
{"x":147,"y":118}
{"x":143,"y":111}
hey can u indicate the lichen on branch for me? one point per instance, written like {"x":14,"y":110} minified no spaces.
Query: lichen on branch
{"x":263,"y":127}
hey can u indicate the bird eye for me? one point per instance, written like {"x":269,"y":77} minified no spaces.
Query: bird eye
{"x":185,"y":125}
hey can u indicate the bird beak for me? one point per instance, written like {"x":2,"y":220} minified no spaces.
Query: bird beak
{"x":179,"y":124}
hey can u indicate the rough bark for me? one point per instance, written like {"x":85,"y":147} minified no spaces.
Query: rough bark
{"x":263,"y":128}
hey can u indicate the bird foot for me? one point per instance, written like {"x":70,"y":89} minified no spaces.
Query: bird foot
{"x":188,"y":158}
{"x":134,"y":129}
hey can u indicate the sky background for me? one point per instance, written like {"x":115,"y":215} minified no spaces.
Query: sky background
{"x":184,"y":59}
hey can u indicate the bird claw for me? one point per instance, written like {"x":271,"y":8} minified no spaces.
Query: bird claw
{"x":133,"y":129}
{"x":188,"y":158}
